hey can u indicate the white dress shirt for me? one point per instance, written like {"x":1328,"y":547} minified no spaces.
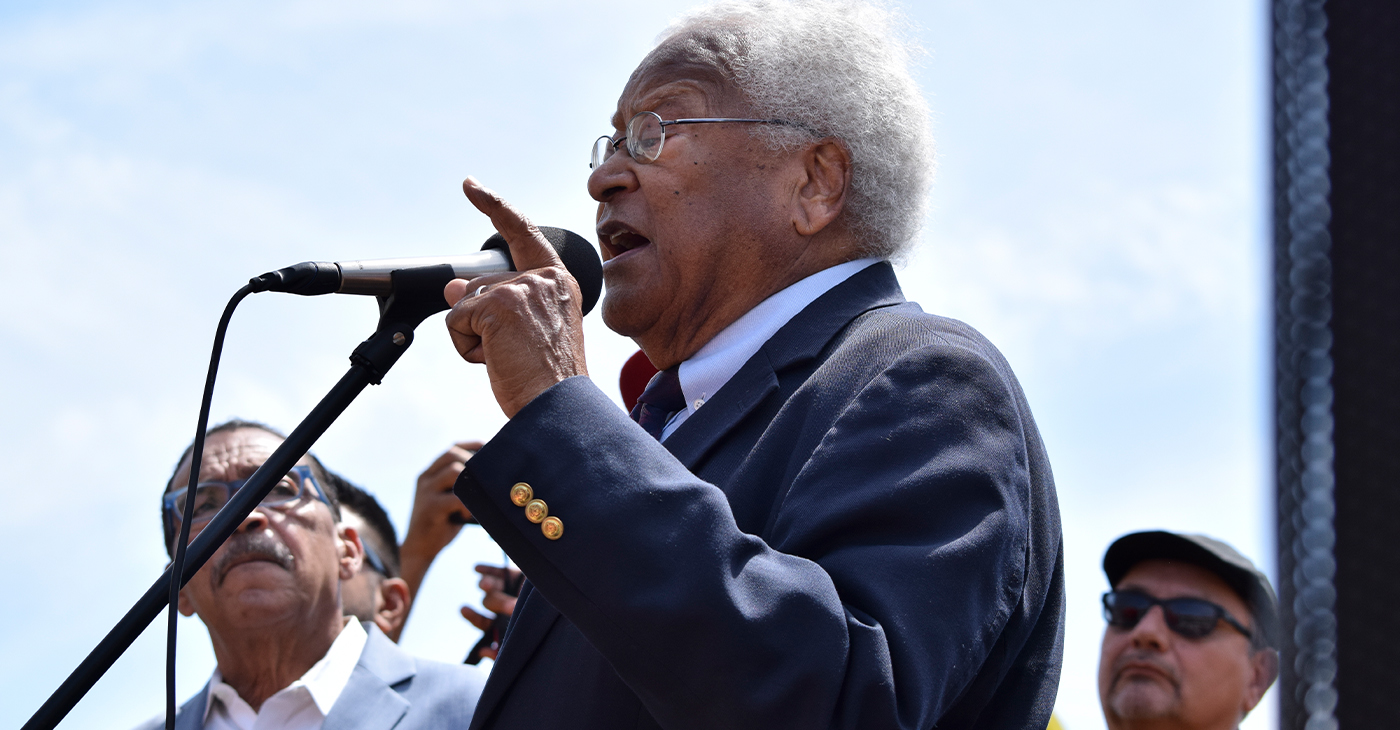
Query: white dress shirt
{"x":304,"y":704}
{"x":709,"y":369}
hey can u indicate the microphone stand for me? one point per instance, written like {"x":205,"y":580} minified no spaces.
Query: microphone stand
{"x":417,"y":294}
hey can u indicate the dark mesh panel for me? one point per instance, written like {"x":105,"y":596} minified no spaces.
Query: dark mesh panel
{"x":1363,"y":61}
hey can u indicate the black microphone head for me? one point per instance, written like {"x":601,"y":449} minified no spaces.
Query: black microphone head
{"x":578,"y":255}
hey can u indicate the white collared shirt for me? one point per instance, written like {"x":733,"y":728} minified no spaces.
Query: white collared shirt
{"x":709,"y":369}
{"x":302,"y":705}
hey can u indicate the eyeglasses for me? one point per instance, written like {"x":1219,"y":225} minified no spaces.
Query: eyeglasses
{"x":373,"y":559}
{"x":1192,"y":618}
{"x":210,"y":497}
{"x":646,"y":134}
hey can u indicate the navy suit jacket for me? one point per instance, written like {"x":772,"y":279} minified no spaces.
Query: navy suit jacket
{"x":859,"y":530}
{"x":387,"y":689}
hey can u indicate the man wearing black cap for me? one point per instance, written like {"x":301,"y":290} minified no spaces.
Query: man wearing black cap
{"x":1191,"y":636}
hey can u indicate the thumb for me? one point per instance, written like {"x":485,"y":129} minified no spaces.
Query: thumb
{"x":454,"y":291}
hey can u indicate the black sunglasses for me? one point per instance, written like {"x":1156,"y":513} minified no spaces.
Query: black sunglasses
{"x":1190,"y":617}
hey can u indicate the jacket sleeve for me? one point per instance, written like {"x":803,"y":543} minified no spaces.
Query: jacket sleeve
{"x":881,"y":585}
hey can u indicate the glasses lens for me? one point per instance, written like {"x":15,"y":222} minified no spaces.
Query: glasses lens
{"x":1191,"y":617}
{"x":208,"y":500}
{"x":645,"y":135}
{"x":1125,"y":610}
{"x":287,"y":489}
{"x":602,"y":150}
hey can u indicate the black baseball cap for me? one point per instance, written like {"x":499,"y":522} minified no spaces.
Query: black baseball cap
{"x":1207,"y":552}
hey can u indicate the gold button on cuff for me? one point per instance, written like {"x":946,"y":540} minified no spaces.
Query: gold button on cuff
{"x":552,"y":527}
{"x":521,"y":493}
{"x":536,"y":510}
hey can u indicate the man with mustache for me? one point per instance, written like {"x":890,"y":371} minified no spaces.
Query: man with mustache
{"x":1191,"y":636}
{"x":271,"y":599}
{"x":833,"y":510}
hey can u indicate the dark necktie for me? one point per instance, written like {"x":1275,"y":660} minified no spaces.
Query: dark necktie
{"x":662,"y":398}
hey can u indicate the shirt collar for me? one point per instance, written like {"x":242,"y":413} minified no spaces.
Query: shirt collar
{"x":324,"y":681}
{"x":709,"y":369}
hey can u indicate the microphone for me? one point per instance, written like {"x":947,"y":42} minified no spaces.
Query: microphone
{"x":373,"y":276}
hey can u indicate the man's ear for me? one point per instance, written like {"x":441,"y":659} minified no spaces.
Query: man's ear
{"x":1264,"y":665}
{"x":394,"y":604}
{"x":352,"y":551}
{"x":821,"y":191}
{"x":184,"y":606}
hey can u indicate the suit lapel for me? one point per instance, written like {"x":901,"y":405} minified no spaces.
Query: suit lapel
{"x":369,"y":701}
{"x":533,"y":619}
{"x":799,"y":340}
{"x":191,"y":714}
{"x":736,"y":399}
{"x":807,"y":334}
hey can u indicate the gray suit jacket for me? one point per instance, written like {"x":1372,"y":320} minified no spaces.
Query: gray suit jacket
{"x":388,"y":689}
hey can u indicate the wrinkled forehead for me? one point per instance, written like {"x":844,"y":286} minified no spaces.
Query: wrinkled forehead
{"x":230,"y":455}
{"x":696,"y":66}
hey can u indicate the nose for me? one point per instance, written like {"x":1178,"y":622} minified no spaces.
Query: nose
{"x":612,"y":178}
{"x":256,"y":520}
{"x":1152,"y":631}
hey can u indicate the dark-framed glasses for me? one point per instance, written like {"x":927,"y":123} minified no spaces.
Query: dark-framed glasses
{"x":1192,"y":618}
{"x":646,"y":135}
{"x":210,"y":497}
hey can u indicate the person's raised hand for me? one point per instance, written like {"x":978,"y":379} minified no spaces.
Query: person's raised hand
{"x":496,"y":599}
{"x":494,"y":580}
{"x":479,"y":620}
{"x":525,"y":325}
{"x":486,"y":624}
{"x":437,"y":514}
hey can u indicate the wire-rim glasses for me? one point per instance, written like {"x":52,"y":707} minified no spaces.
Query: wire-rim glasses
{"x":646,"y":135}
{"x":211,"y":496}
{"x":1192,"y":618}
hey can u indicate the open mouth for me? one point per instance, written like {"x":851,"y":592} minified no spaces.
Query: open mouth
{"x":620,"y":242}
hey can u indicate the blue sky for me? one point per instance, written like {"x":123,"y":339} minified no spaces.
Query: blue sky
{"x":1100,"y":212}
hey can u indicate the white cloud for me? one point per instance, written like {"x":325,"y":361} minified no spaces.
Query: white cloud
{"x":1095,"y":265}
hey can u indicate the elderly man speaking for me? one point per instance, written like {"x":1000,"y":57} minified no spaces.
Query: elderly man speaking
{"x":832,"y":510}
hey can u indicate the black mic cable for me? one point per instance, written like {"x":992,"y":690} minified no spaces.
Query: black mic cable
{"x":196,"y":454}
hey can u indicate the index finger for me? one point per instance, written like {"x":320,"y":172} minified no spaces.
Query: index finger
{"x":528,"y":247}
{"x":491,"y":570}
